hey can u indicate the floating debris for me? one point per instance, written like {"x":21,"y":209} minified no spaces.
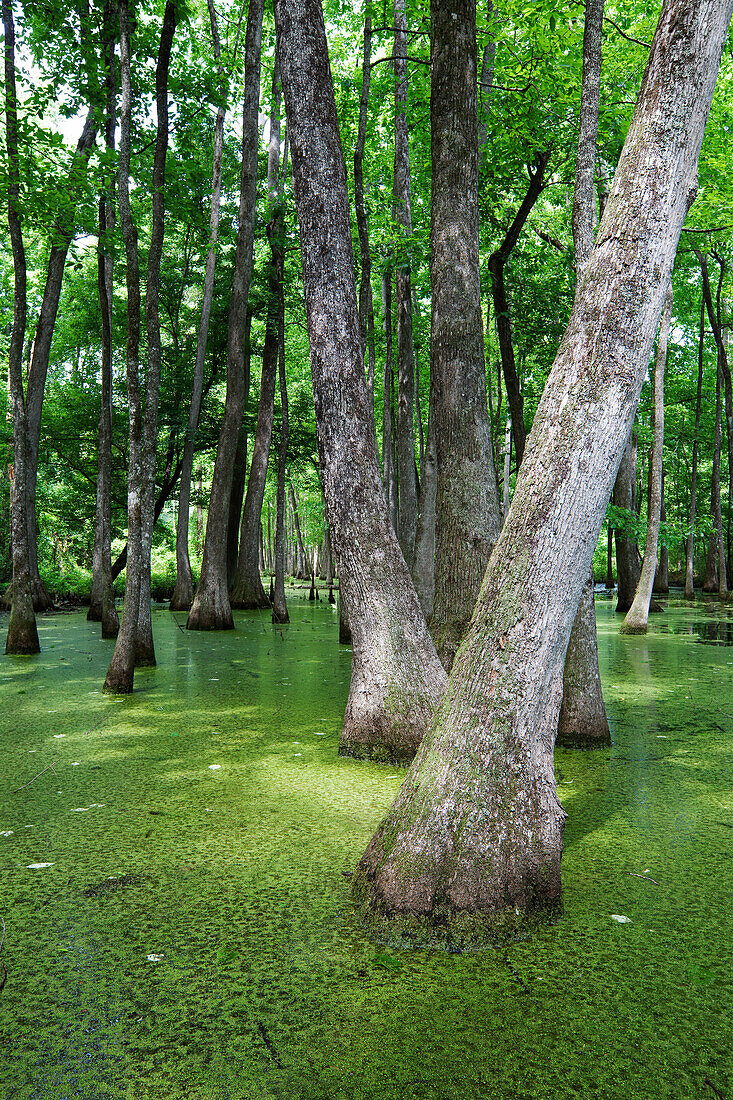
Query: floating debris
{"x":155,"y":958}
{"x":214,"y":767}
{"x":619,"y":919}
{"x":38,"y":866}
{"x":7,"y":832}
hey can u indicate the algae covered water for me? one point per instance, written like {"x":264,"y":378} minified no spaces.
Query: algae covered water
{"x":174,"y":884}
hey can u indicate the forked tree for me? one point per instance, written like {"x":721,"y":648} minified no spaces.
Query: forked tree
{"x":474,"y":836}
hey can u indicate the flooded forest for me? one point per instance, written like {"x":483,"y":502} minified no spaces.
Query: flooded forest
{"x":365,"y":542}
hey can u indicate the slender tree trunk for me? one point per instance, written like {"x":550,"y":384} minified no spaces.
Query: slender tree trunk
{"x":475,"y":832}
{"x":609,"y":560}
{"x":638,"y":614}
{"x":628,"y":564}
{"x":279,"y":606}
{"x":661,"y":577}
{"x":144,"y":647}
{"x":690,"y":545}
{"x":582,"y":722}
{"x":502,"y":312}
{"x":239,"y":481}
{"x":22,"y":634}
{"x":405,"y":432}
{"x":182,"y":597}
{"x":247,"y":590}
{"x":467,"y":507}
{"x":211,"y":609}
{"x":102,"y":601}
{"x":389,"y":475}
{"x":396,"y":678}
{"x":121,"y":671}
{"x":423,"y":568}
{"x":366,"y":300}
{"x":722,"y":584}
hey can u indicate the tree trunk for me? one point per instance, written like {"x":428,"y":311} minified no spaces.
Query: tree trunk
{"x":247,"y":590}
{"x":144,"y":647}
{"x":22,"y":634}
{"x":638,"y":614}
{"x":502,"y":312}
{"x":279,"y":606}
{"x":423,"y":568}
{"x":405,"y":432}
{"x":661,"y":577}
{"x":102,"y":600}
{"x":582,"y":722}
{"x":467,"y":507}
{"x":720,"y":571}
{"x":239,"y":481}
{"x":389,"y":474}
{"x":396,"y":678}
{"x":609,"y":560}
{"x":628,"y":564}
{"x":121,"y":671}
{"x":211,"y":609}
{"x":690,"y":545}
{"x":182,"y":597}
{"x":475,"y":833}
{"x":366,"y":300}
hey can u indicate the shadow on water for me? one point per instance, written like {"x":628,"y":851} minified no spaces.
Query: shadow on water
{"x":176,"y":895}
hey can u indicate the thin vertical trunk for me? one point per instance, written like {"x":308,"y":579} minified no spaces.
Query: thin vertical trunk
{"x":389,"y":474}
{"x":22,"y":634}
{"x":182,"y":597}
{"x":661,"y":577}
{"x":211,"y":609}
{"x":279,"y":607}
{"x":120,"y":673}
{"x":366,"y":301}
{"x":405,"y":433}
{"x":144,"y":647}
{"x":502,"y":312}
{"x":637,"y":616}
{"x":628,"y":563}
{"x":690,"y":545}
{"x":396,"y":677}
{"x":609,"y":559}
{"x":582,"y":722}
{"x":247,"y":590}
{"x":423,"y":567}
{"x":239,"y":481}
{"x":467,"y":506}
{"x":102,"y":602}
{"x":722,"y":585}
{"x":474,"y":837}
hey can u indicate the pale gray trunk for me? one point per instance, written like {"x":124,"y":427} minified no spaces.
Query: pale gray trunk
{"x":467,"y":507}
{"x":182,"y":597}
{"x":396,"y":677}
{"x":474,"y":837}
{"x":279,"y":607}
{"x":405,"y":432}
{"x":690,"y":544}
{"x":507,"y":497}
{"x":366,"y":301}
{"x":211,"y":609}
{"x":389,"y":474}
{"x":628,"y":563}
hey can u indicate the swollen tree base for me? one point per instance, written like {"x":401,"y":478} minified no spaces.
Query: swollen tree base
{"x":22,"y":636}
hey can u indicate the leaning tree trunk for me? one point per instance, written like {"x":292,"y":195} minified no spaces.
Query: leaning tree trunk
{"x":405,"y":432}
{"x":467,"y":507}
{"x":396,"y":677}
{"x":474,"y":837}
{"x":247,"y":590}
{"x":121,"y":671}
{"x":690,"y":545}
{"x":628,"y":565}
{"x":583,"y":722}
{"x":211,"y":609}
{"x":638,"y":614}
{"x":182,"y":597}
{"x":22,"y":634}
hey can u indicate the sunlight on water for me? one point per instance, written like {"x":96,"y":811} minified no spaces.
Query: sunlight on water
{"x":174,"y":884}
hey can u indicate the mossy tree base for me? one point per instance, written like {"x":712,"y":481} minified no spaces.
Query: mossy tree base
{"x":22,"y":639}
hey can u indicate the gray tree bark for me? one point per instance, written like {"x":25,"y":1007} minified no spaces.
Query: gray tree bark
{"x":366,"y":299}
{"x":389,"y":473}
{"x":475,"y":833}
{"x":690,"y":544}
{"x":628,"y":562}
{"x":637,"y":616}
{"x":279,"y":606}
{"x":182,"y":597}
{"x":396,"y":677}
{"x":467,"y":506}
{"x":211,"y":609}
{"x":22,"y":636}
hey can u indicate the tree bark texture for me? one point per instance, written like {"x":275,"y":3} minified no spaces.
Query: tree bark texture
{"x":475,"y":832}
{"x":366,"y":300}
{"x":405,"y":431}
{"x":389,"y":474}
{"x":121,"y":671}
{"x":279,"y":606}
{"x":396,"y":677}
{"x":628,"y":563}
{"x":719,"y":551}
{"x":467,"y":506}
{"x":22,"y":636}
{"x":247,"y":590}
{"x":690,"y":544}
{"x":582,"y":722}
{"x":211,"y":609}
{"x":182,"y":597}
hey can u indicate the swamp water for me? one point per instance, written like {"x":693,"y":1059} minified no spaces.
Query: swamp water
{"x":178,"y":917}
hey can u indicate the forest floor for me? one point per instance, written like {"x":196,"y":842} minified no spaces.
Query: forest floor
{"x":174,"y":884}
